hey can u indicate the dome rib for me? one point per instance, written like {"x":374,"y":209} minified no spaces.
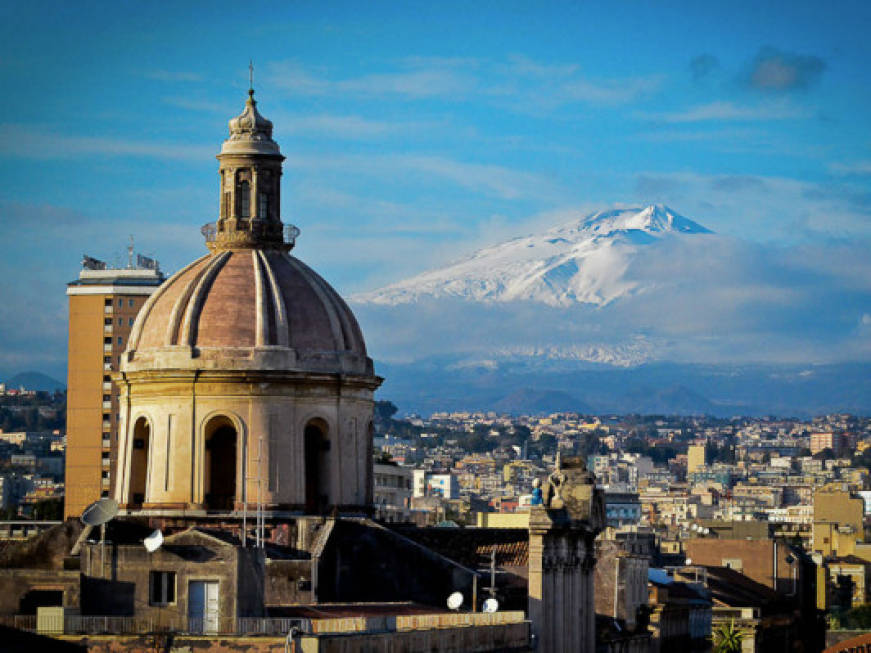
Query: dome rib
{"x":261,"y":326}
{"x":198,"y":297}
{"x":136,"y":333}
{"x":282,"y":328}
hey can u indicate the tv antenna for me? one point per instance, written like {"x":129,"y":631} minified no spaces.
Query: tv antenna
{"x":455,"y":600}
{"x":99,"y":514}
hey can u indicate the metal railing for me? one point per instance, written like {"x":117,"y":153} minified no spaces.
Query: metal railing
{"x":210,"y":233}
{"x":118,"y":625}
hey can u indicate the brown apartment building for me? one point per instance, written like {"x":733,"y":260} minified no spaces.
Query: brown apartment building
{"x":103,"y":305}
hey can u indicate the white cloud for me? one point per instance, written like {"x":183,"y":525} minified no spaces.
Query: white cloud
{"x":36,"y":142}
{"x":353,"y":127}
{"x":425,"y":81}
{"x":487,"y":179}
{"x":546,"y":85}
{"x":854,"y":168}
{"x":730,"y":112}
{"x":173,"y":76}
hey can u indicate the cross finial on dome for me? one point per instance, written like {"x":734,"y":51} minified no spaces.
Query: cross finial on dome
{"x":251,"y":78}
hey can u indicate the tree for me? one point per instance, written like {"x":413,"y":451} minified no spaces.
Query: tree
{"x":858,"y":618}
{"x":728,"y":638}
{"x":48,"y":510}
{"x":825,"y":454}
{"x":385,"y":410}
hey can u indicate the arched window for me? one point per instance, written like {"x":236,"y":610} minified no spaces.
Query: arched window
{"x":317,"y":470}
{"x":220,"y":464}
{"x":139,"y":461}
{"x":244,"y":199}
{"x":263,"y":206}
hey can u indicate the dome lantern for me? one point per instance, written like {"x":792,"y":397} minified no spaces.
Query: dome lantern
{"x":250,"y":186}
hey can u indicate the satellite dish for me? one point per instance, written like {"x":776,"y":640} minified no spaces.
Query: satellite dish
{"x":152,"y":542}
{"x":694,"y":527}
{"x":689,"y":561}
{"x":491,"y":605}
{"x":99,"y":512}
{"x":455,"y":600}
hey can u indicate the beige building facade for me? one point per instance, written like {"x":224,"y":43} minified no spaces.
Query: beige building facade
{"x":246,"y":381}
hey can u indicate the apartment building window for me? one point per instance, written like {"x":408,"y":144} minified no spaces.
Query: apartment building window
{"x":106,"y":417}
{"x":120,"y":321}
{"x":105,"y":455}
{"x":162,"y":587}
{"x":107,"y":359}
{"x":105,"y":475}
{"x":106,"y":377}
{"x":120,"y":340}
{"x":107,"y":340}
{"x":107,"y":321}
{"x":107,"y":397}
{"x":130,"y":303}
{"x":107,"y":302}
{"x":130,"y":322}
{"x":120,"y":303}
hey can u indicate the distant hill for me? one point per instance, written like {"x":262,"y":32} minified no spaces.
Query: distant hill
{"x":660,"y":388}
{"x":526,"y":401}
{"x":35,"y":381}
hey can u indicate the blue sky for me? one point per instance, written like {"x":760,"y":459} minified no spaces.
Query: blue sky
{"x":416,"y":132}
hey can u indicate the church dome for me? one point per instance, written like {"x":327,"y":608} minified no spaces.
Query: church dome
{"x":248,"y":304}
{"x":234,"y":302}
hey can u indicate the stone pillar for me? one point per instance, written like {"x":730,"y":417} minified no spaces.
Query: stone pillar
{"x":561,"y":604}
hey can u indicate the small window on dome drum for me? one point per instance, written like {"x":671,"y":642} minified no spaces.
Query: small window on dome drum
{"x":263,"y":206}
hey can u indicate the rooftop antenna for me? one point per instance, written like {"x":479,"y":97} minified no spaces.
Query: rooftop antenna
{"x":130,"y":254}
{"x":98,"y":514}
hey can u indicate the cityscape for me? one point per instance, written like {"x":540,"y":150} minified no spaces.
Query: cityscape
{"x":509,"y":328}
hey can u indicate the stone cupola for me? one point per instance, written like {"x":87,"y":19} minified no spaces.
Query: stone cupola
{"x":250,"y":176}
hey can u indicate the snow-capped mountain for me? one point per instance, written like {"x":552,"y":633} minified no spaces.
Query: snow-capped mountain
{"x":582,"y":261}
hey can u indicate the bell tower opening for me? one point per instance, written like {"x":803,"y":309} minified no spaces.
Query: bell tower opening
{"x":139,"y":461}
{"x":317,"y":446}
{"x":244,"y":210}
{"x":220,"y":464}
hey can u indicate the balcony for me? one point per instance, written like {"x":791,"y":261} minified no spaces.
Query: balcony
{"x":107,"y":386}
{"x":107,"y":329}
{"x":107,"y":443}
{"x":108,"y":310}
{"x":107,"y":349}
{"x":107,"y":405}
{"x":105,"y":463}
